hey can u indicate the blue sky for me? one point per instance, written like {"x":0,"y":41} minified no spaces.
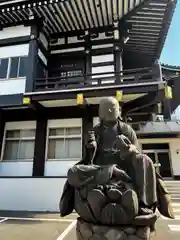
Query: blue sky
{"x":171,"y":51}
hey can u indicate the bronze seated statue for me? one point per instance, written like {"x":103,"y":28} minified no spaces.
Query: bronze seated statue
{"x":114,"y":189}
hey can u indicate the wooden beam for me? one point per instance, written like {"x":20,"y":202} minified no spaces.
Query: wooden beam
{"x":143,"y":102}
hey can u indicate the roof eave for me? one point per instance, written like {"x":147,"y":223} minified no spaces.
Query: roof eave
{"x":166,"y":26}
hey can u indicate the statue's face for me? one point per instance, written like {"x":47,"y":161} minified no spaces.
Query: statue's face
{"x":109,"y":109}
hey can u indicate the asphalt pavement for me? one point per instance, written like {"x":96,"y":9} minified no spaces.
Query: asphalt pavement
{"x":49,"y":226}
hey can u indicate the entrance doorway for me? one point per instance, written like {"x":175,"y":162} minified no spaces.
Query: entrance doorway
{"x":161,"y":159}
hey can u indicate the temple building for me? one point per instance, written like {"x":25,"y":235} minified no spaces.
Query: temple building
{"x":58,"y":59}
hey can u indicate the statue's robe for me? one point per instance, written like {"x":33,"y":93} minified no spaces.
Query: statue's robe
{"x":140,"y":169}
{"x":138,"y":166}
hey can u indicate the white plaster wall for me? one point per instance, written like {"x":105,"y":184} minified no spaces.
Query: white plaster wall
{"x":17,"y":31}
{"x":67,"y":50}
{"x":16,"y":169}
{"x":31,"y":194}
{"x":102,"y":69}
{"x":58,"y":168}
{"x":17,"y":85}
{"x":175,"y":157}
{"x":102,"y":46}
{"x":14,"y":51}
{"x":176,"y":114}
{"x":103,"y":58}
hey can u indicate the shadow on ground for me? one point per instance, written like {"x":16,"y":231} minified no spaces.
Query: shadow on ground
{"x":26,"y":214}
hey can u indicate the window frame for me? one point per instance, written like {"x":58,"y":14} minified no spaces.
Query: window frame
{"x":63,"y":123}
{"x":7,"y":73}
{"x":9,"y":68}
{"x":12,"y":126}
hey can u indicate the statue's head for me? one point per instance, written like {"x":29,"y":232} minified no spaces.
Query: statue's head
{"x":109,"y":109}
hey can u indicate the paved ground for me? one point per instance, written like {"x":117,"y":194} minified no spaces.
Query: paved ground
{"x":34,"y":226}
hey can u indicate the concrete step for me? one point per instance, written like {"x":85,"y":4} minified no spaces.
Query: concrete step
{"x":176,"y":208}
{"x":173,"y":182}
{"x":174,"y":196}
{"x":173,"y":186}
{"x":174,"y":189}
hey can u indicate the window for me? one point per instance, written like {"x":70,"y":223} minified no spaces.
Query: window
{"x":152,"y":156}
{"x":155,"y":146}
{"x":3,"y":67}
{"x":14,"y":67}
{"x":13,"y":71}
{"x":73,"y":73}
{"x":64,"y":143}
{"x":22,"y":66}
{"x":19,"y":145}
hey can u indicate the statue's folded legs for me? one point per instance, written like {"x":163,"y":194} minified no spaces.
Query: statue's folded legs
{"x":107,"y":205}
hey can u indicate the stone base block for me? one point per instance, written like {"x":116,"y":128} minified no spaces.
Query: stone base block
{"x":88,"y":231}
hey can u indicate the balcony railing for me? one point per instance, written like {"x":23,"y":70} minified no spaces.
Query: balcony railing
{"x":137,"y":76}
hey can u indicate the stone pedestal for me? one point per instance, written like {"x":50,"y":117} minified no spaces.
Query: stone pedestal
{"x":89,"y":231}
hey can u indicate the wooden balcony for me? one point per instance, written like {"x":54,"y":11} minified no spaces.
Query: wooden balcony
{"x":130,"y":77}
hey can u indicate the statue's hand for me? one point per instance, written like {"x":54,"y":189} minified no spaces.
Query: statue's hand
{"x":124,"y":146}
{"x":92,"y":145}
{"x":120,"y":174}
{"x":133,"y":148}
{"x":122,"y":143}
{"x":91,"y":140}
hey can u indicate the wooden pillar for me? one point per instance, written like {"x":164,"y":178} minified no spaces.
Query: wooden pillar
{"x":87,"y":124}
{"x":2,"y":125}
{"x":32,"y":60}
{"x":167,"y":109}
{"x":118,"y":50}
{"x":88,"y":55}
{"x":40,"y":145}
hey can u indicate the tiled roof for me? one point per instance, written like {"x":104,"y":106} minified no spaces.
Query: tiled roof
{"x":170,"y":67}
